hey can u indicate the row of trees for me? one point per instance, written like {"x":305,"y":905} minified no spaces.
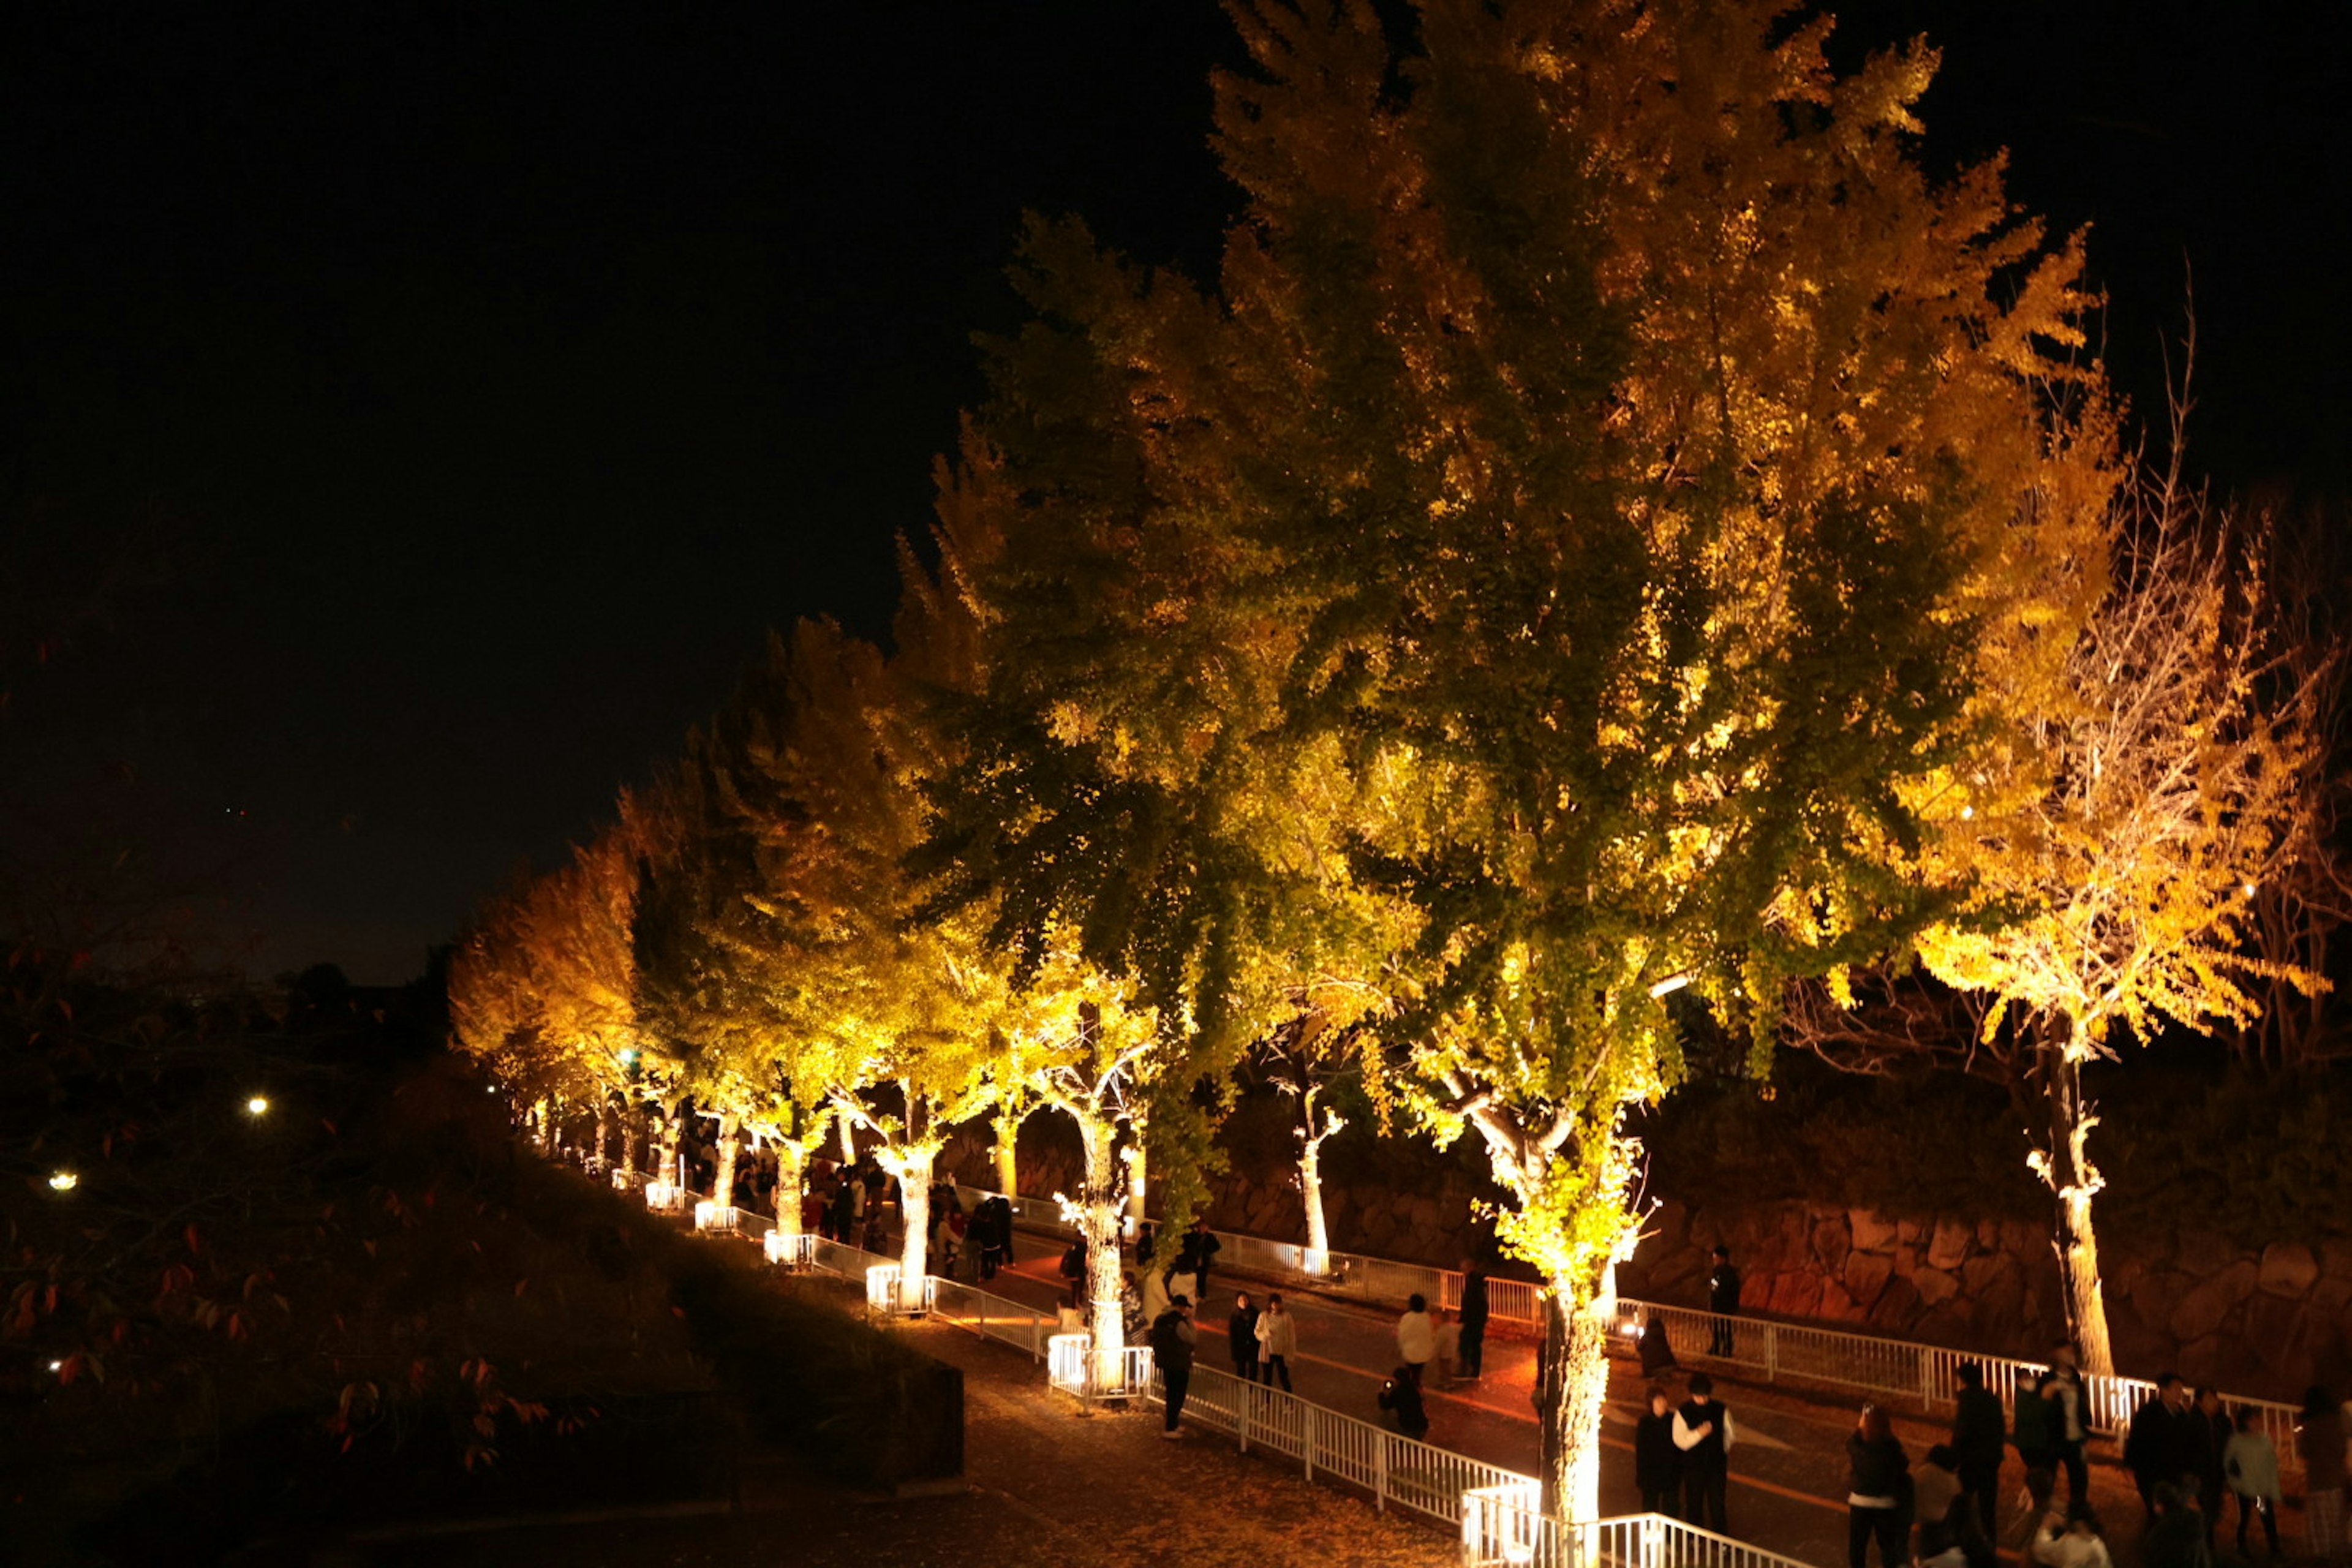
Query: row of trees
{"x":1616,"y":548}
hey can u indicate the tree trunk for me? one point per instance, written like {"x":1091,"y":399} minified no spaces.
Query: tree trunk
{"x":604,"y":1119}
{"x":1310,"y":1191}
{"x":1310,"y":1186}
{"x":792,"y":1163}
{"x":542,"y":1124}
{"x":847,"y":1128}
{"x":1571,"y":1387}
{"x":722,"y":1187}
{"x":670,"y":1119}
{"x":1100,"y":1203}
{"x":630,"y":1117}
{"x":914,"y":1173}
{"x":1008,"y":1135}
{"x":2074,"y":1181}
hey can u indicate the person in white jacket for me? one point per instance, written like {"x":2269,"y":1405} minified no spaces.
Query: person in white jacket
{"x":1278,"y":1341}
{"x":1416,"y":1337}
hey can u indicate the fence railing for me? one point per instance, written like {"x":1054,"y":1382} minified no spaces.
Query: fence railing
{"x":1767,"y":1350}
{"x":1760,"y":1349}
{"x":1393,"y":1469}
{"x":1505,"y":1525}
{"x":1072,"y":1367}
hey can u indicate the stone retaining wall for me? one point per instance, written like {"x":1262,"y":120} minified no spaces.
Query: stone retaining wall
{"x":2263,"y":1323}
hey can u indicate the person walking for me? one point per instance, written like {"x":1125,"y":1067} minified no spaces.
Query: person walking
{"x":2038,"y":1424}
{"x":1723,"y":1299}
{"x":2073,"y":1424}
{"x":1200,"y":1245}
{"x":1240,"y":1338}
{"x":1977,"y":1441}
{"x":1704,"y":1433}
{"x":2211,"y":1430}
{"x":1474,"y":1319}
{"x":1416,"y":1337}
{"x":1172,"y":1337}
{"x":1277,"y":1338}
{"x":1878,"y":1483}
{"x":2250,"y":1464}
{"x":1658,"y":1463}
{"x":2161,"y":1447}
{"x":2319,"y":1440}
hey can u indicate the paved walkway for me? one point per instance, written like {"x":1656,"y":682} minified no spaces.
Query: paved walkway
{"x":1789,"y":1473}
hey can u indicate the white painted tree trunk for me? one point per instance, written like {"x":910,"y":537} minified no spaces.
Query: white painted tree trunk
{"x":847,"y":1128}
{"x":1311,"y":1190}
{"x":914,"y":1173}
{"x":1100,"y":1203}
{"x":1572,"y":1389}
{"x":792,"y":1170}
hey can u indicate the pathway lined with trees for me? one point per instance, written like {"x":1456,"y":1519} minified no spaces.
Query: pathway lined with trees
{"x":1618,"y":556}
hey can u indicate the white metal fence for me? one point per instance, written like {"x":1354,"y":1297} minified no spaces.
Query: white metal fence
{"x":1505,"y":1525}
{"x":1760,"y":1349}
{"x":1928,"y":1375}
{"x":1394,"y":1469}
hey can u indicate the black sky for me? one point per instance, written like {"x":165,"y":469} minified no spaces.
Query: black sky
{"x":470,"y":387}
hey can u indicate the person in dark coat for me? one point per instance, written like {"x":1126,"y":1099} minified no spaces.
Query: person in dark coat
{"x":1723,"y":1299}
{"x":1171,"y":1353}
{"x":1473,"y":1318}
{"x":996,"y":1237}
{"x":1241,"y":1337}
{"x":1200,"y":1245}
{"x":2038,"y":1424}
{"x":1704,"y":1433}
{"x":2161,"y":1447}
{"x":1658,"y":1463}
{"x":1878,"y":1491}
{"x":1977,"y":1440}
{"x":2212,"y":1431}
{"x":1401,"y":1397}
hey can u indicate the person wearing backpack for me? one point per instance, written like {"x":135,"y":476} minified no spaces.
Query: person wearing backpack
{"x":1172,"y":1352}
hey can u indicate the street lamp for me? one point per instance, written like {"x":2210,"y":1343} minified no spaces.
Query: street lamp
{"x":64,"y":1181}
{"x":257,"y":1106}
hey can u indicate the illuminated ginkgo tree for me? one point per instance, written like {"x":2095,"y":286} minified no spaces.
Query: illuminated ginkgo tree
{"x":2121,"y":900}
{"x":1551,"y":573}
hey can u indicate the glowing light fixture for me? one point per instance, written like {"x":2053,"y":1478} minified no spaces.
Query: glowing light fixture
{"x":63,"y":1180}
{"x":1669,"y":985}
{"x":257,"y":1106}
{"x":57,"y":1366}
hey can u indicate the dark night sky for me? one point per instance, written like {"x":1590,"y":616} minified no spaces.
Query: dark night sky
{"x":485,"y":380}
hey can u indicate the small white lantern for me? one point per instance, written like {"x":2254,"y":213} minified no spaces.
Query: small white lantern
{"x":882,"y":1288}
{"x":660,"y":1196}
{"x":1066,"y":1361}
{"x":1501,"y":1524}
